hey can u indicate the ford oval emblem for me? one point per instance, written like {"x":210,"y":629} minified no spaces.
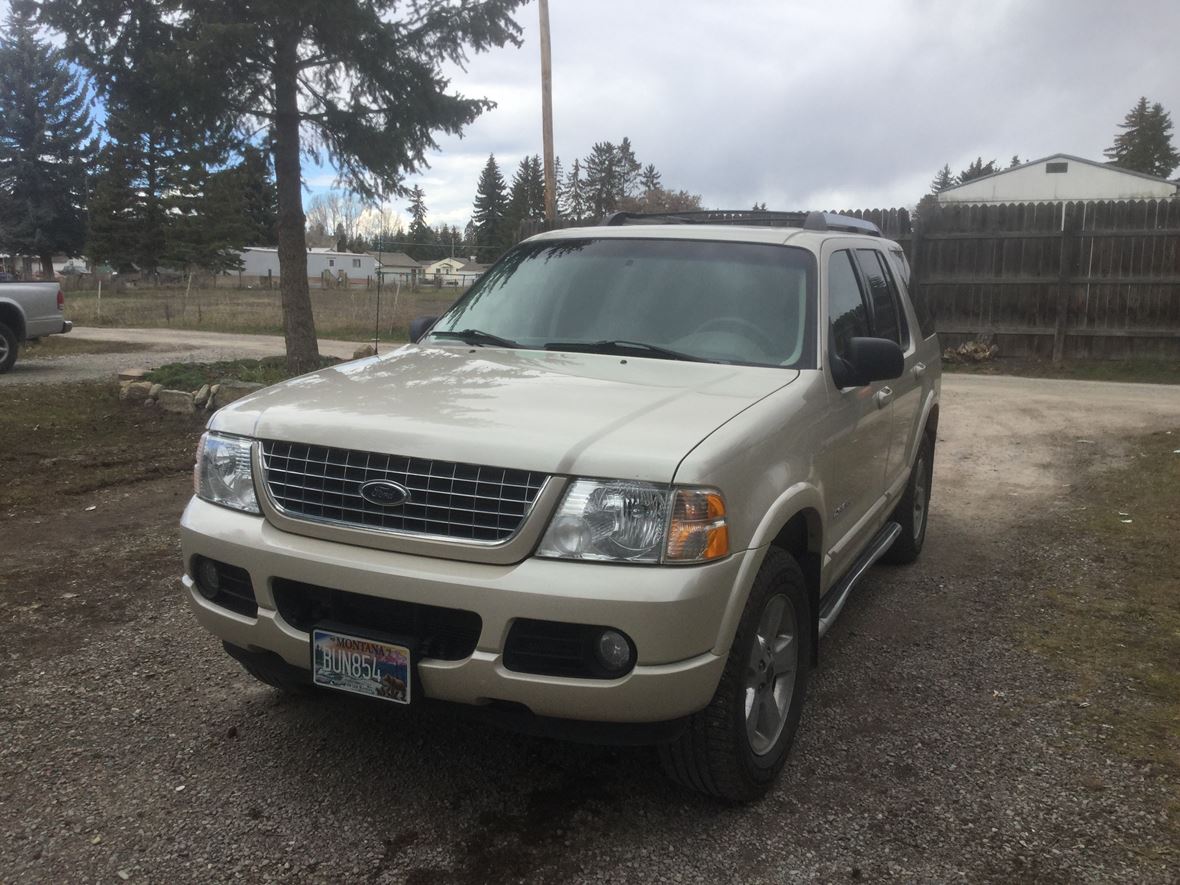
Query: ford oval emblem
{"x":384,"y":493}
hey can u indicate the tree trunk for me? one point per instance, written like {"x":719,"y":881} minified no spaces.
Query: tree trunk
{"x":303,"y":353}
{"x":47,"y":268}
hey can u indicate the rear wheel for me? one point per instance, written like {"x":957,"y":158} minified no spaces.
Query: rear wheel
{"x":913,"y":509}
{"x":735,"y":747}
{"x":8,"y":348}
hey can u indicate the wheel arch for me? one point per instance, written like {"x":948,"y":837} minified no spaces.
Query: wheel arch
{"x":14,"y":318}
{"x":794,"y":524}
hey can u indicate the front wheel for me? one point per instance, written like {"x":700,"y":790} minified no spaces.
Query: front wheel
{"x":8,"y":347}
{"x":735,"y":747}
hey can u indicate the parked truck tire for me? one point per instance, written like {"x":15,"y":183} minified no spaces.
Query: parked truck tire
{"x":913,"y":509}
{"x":734,"y":748}
{"x":8,"y":348}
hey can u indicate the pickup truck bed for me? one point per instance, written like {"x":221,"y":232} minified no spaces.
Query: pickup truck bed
{"x":29,"y":311}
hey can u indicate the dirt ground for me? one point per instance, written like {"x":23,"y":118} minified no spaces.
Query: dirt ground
{"x":938,"y":742}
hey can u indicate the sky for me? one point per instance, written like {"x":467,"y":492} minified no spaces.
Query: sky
{"x":811,"y":105}
{"x":808,"y":105}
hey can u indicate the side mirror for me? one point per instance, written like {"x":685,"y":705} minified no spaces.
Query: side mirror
{"x":868,"y":360}
{"x":419,"y":328}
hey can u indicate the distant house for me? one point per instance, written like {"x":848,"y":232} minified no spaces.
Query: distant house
{"x":397,"y":267}
{"x":453,"y":272}
{"x":1060,"y":178}
{"x":327,"y":267}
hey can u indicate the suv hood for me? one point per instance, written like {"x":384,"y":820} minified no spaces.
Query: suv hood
{"x":564,"y":413}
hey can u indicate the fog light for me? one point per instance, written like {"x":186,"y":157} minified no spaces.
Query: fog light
{"x":208,"y":578}
{"x":614,"y":651}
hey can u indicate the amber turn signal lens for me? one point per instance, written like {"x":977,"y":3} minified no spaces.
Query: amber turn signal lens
{"x":697,"y":531}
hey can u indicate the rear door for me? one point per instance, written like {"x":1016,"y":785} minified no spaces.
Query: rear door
{"x":905,"y":393}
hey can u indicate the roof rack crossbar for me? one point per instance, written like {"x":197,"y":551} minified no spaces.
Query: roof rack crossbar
{"x":816,"y":221}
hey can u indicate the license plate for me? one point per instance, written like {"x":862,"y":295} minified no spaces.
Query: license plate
{"x":361,"y":666}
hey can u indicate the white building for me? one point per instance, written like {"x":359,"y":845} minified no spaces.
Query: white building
{"x":452,"y":272}
{"x":1060,"y":178}
{"x":325,"y":266}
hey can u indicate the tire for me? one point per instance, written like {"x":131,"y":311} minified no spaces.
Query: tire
{"x":913,"y":510}
{"x":8,"y":348}
{"x":715,"y":754}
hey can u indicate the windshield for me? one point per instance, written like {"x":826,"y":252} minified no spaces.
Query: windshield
{"x":743,"y":303}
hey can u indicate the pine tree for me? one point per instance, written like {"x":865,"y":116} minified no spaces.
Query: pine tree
{"x":526,"y":199}
{"x":361,"y":80}
{"x":420,"y":232}
{"x":628,"y":170}
{"x":1015,"y":161}
{"x":491,"y":206}
{"x":261,"y":199}
{"x":944,"y":179}
{"x":649,"y":178}
{"x":602,"y":179}
{"x":1145,"y":144}
{"x":977,"y":169}
{"x":46,"y":144}
{"x":572,"y":193}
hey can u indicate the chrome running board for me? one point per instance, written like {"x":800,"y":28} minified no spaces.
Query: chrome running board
{"x":839,"y":594}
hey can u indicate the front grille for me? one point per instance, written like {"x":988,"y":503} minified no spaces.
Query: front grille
{"x":447,"y":634}
{"x":462,"y":501}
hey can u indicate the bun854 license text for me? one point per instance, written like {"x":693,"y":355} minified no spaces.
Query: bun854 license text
{"x":362,"y":666}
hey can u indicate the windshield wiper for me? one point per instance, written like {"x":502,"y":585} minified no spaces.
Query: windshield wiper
{"x":619,"y":346}
{"x":476,"y":336}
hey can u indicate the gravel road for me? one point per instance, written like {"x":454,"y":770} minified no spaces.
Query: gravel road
{"x":164,"y":346}
{"x":934,"y":746}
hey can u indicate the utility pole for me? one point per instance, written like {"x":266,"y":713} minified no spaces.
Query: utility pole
{"x":547,"y":114}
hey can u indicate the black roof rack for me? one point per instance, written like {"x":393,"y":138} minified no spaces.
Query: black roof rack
{"x":817,"y":221}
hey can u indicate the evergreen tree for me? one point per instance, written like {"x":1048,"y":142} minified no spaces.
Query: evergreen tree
{"x":360,"y":80}
{"x":759,"y":207}
{"x":629,"y":169}
{"x":1145,"y":144}
{"x":944,"y":179}
{"x":491,"y":206}
{"x":261,"y":200}
{"x":1015,"y":161}
{"x":421,"y":235}
{"x":649,"y":178}
{"x":526,"y":199}
{"x":46,"y":144}
{"x":603,"y":188}
{"x":977,"y":169}
{"x":572,"y":193}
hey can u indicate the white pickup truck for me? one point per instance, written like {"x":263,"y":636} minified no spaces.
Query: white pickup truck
{"x":29,"y":311}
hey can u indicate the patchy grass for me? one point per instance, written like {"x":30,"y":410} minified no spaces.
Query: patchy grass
{"x":70,"y":439}
{"x":347,"y":314}
{"x":63,"y":345}
{"x":1113,"y":616}
{"x":1141,"y":371}
{"x":190,"y":376}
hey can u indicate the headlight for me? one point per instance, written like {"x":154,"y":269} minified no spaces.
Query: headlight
{"x":627,"y":521}
{"x":223,"y":474}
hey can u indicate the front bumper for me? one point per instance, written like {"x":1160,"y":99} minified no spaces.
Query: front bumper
{"x":673,"y":615}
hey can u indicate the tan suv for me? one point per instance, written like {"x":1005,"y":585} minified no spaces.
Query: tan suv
{"x":617,"y":492}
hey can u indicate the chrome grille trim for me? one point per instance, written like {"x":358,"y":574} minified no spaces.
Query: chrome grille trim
{"x":449,"y":501}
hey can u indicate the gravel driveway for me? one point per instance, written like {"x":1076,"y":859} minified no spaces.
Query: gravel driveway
{"x":164,"y":346}
{"x":934,"y":745}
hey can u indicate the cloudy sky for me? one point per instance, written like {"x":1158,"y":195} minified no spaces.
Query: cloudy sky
{"x":812,"y":104}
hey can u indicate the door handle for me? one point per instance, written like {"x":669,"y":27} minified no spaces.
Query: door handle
{"x":919,"y":370}
{"x":883,"y":396}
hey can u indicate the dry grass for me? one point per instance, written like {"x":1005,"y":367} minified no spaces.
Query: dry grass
{"x":1114,"y":614}
{"x":347,"y":314}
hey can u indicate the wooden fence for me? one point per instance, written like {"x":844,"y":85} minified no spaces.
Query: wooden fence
{"x":1072,"y":280}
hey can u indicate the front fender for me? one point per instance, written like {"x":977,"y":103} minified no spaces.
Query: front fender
{"x":797,"y":498}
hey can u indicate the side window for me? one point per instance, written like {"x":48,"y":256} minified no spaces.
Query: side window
{"x":888,"y":321}
{"x":847,"y":316}
{"x":917,"y":295}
